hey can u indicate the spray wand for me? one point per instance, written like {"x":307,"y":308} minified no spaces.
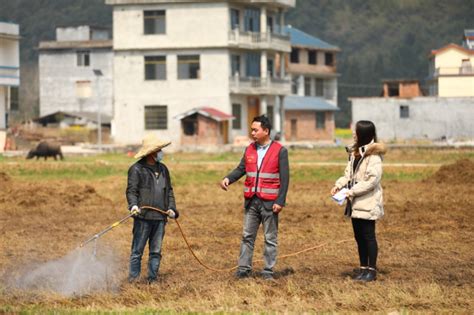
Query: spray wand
{"x":95,"y":237}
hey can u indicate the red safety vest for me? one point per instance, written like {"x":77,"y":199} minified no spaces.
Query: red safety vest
{"x":263,"y":182}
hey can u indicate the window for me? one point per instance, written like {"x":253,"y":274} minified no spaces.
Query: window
{"x":252,"y":20}
{"x":156,"y":117}
{"x":83,"y":89}
{"x":269,"y":24}
{"x":234,"y":19}
{"x":155,"y":67}
{"x":235,"y":65}
{"x":393,"y":89}
{"x":312,"y":57}
{"x":270,"y":66}
{"x":320,"y":120}
{"x":83,"y":58}
{"x":294,"y":85}
{"x":307,"y":86}
{"x":270,"y":115}
{"x":404,"y":111}
{"x":188,"y":67}
{"x":329,"y":59}
{"x":14,"y":101}
{"x":319,"y":87}
{"x":253,"y":64}
{"x":295,"y":55}
{"x":154,"y":22}
{"x":237,"y":113}
{"x":190,"y":125}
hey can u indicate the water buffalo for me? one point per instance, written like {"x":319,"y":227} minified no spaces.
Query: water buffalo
{"x":45,"y":149}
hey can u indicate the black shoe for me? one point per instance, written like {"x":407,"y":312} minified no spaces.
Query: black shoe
{"x":267,"y":276}
{"x":152,"y":280}
{"x":360,"y":274}
{"x":241,"y":274}
{"x":371,"y":275}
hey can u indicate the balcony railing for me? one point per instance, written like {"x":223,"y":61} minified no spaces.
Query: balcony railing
{"x":9,"y":75}
{"x":454,"y":71}
{"x":256,"y":40}
{"x":260,"y":86}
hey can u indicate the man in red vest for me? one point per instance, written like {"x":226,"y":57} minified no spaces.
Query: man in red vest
{"x":265,"y":164}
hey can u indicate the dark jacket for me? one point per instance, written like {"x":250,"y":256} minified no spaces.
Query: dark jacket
{"x":141,"y":188}
{"x":284,"y":169}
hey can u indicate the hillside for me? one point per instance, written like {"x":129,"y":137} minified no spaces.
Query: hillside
{"x":379,"y":38}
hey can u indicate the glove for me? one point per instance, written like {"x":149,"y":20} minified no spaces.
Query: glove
{"x":135,"y":211}
{"x":171,"y":214}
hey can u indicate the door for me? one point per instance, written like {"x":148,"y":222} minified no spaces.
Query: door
{"x":252,"y":111}
{"x":294,"y":130}
{"x":225,"y":131}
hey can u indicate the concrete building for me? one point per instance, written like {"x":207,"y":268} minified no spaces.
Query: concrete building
{"x":432,"y":118}
{"x":451,"y":72}
{"x":402,"y":113}
{"x":309,"y":110}
{"x":9,"y":71}
{"x":76,"y":71}
{"x":173,"y":56}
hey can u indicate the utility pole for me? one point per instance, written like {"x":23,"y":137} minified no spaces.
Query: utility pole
{"x":98,"y":73}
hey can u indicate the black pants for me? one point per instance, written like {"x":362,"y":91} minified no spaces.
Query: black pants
{"x":364,"y":232}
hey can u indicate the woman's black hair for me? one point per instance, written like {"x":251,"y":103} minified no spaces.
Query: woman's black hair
{"x":365,"y":131}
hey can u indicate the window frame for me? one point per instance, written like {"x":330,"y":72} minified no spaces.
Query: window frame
{"x":155,"y":31}
{"x":83,"y":58}
{"x":187,"y":59}
{"x":318,"y":117}
{"x":159,"y":60}
{"x":159,"y":125}
{"x":295,"y":55}
{"x":312,"y":57}
{"x":237,"y":113}
{"x":404,"y":111}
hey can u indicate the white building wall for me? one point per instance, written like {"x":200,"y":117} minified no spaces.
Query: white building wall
{"x":133,"y":92}
{"x":187,"y":26}
{"x":429,"y":117}
{"x":58,"y":72}
{"x":3,"y":106}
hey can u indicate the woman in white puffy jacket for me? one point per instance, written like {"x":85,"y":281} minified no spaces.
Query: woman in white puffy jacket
{"x":364,"y":206}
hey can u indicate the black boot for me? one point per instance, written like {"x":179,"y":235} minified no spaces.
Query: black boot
{"x":360,"y":273}
{"x":371,"y":275}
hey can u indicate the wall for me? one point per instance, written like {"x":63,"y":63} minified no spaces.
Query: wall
{"x":208,"y":133}
{"x":429,"y":117}
{"x":306,"y":126}
{"x":132,"y":92}
{"x":210,"y":26}
{"x":58,"y":72}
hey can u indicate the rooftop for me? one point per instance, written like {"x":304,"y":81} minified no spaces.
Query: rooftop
{"x":294,"y":102}
{"x":302,"y":39}
{"x":209,"y":112}
{"x":52,"y":45}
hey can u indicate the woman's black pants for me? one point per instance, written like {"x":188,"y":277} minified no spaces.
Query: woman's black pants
{"x":364,"y":232}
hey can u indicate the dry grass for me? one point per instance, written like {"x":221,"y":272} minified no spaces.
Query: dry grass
{"x":426,"y":256}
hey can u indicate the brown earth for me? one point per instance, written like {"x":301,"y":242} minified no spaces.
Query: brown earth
{"x":426,"y":258}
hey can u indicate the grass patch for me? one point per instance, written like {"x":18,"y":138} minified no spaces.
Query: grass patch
{"x":343,"y":133}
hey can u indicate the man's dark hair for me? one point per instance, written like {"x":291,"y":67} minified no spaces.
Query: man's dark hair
{"x":264,"y":122}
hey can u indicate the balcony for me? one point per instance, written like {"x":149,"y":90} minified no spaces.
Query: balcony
{"x":467,"y":70}
{"x":9,"y":76}
{"x":260,"y":41}
{"x":259,"y":86}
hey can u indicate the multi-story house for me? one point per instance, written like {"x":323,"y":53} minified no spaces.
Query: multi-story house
{"x":309,"y":110}
{"x":76,"y":72}
{"x":171,"y":57}
{"x":403,"y":113}
{"x":9,"y":70}
{"x":451,"y":72}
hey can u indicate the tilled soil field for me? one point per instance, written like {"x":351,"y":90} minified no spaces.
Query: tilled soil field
{"x":426,"y":248}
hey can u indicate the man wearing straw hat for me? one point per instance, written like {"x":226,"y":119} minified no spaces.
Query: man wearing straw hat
{"x":149,"y":184}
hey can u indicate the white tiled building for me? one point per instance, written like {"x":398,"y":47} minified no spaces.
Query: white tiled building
{"x":9,"y":70}
{"x":173,"y":56}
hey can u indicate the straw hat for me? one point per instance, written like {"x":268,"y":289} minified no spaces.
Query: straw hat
{"x":151,"y":144}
